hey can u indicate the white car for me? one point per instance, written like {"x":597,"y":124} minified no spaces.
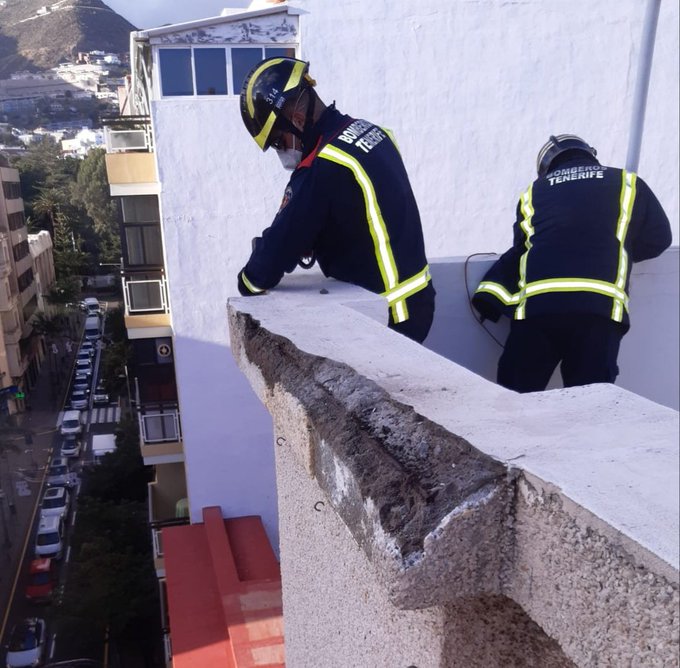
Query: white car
{"x":70,"y":446}
{"x":84,"y":366}
{"x":79,"y":399}
{"x":27,"y":643}
{"x":49,"y":541}
{"x":55,"y":502}
{"x":71,"y":423}
{"x":59,"y":474}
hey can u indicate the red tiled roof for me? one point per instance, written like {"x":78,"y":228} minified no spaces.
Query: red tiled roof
{"x":224,"y":594}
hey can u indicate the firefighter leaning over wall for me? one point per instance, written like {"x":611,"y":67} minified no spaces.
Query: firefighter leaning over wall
{"x":348,"y":203}
{"x":564,"y":282}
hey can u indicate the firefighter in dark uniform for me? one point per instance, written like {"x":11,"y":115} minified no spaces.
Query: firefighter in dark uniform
{"x":580,"y":226}
{"x":348,"y":203}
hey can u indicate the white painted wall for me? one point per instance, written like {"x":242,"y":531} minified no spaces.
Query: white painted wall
{"x":471,"y":89}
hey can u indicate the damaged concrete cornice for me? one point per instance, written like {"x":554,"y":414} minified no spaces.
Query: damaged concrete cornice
{"x":423,"y":504}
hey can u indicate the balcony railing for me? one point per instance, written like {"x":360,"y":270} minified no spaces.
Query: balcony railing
{"x":145,"y":295}
{"x":130,"y":133}
{"x":159,"y":424}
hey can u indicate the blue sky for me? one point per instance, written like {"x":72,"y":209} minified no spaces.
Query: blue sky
{"x":154,"y":13}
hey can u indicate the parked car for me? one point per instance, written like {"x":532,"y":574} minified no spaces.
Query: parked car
{"x":80,"y":376}
{"x":100,"y":395}
{"x":81,"y":385}
{"x":87,"y":354}
{"x":71,"y":423}
{"x":84,"y":366}
{"x":27,"y":643}
{"x":42,"y":578}
{"x":70,"y":446}
{"x":59,"y":474}
{"x":49,"y":541}
{"x":55,"y":502}
{"x":90,"y":305}
{"x":79,"y":399}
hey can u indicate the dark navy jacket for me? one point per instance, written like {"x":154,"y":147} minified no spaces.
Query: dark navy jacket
{"x":350,"y":202}
{"x":578,"y":231}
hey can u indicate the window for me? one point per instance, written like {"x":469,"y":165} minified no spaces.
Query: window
{"x":140,"y":209}
{"x":25,"y":280}
{"x":211,"y":71}
{"x":141,"y":231}
{"x":205,"y":70}
{"x":16,"y":220}
{"x":11,"y":189}
{"x":143,"y":245}
{"x":20,"y":251}
{"x":176,"y":76}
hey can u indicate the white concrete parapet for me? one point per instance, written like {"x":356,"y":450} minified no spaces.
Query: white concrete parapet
{"x":431,"y":518}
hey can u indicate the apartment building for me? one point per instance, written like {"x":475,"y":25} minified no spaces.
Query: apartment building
{"x":40,"y":246}
{"x":193,"y":189}
{"x":20,"y":353}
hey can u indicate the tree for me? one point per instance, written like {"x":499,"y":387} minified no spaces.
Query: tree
{"x":69,"y":260}
{"x":91,"y":192}
{"x":123,"y":475}
{"x":64,"y":291}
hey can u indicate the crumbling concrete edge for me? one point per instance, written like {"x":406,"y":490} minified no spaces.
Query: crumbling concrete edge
{"x":475,"y":547}
{"x":428,"y":510}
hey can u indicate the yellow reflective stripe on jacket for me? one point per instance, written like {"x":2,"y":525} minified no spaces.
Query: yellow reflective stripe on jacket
{"x":498,"y":291}
{"x":376,"y":224}
{"x":527,"y":208}
{"x":553,"y":285}
{"x":576,"y":285}
{"x":628,"y":183}
{"x":396,"y":298}
{"x":254,"y":289}
{"x":408,"y":287}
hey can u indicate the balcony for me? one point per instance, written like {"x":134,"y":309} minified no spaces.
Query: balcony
{"x":5,"y":264}
{"x":130,"y":161}
{"x":11,"y":327}
{"x":160,"y":434}
{"x":127,"y":134}
{"x":146,"y":302}
{"x":167,"y":506}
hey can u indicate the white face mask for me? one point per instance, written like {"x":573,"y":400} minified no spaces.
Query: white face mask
{"x":290,"y":158}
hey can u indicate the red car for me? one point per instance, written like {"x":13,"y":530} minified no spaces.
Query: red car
{"x":41,"y":580}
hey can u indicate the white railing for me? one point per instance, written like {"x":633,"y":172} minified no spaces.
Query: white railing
{"x":132,"y":139}
{"x":157,"y":543}
{"x":145,"y":296}
{"x":160,"y":427}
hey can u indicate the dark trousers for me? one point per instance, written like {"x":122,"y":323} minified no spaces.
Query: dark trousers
{"x":420,"y":315}
{"x":586,"y":346}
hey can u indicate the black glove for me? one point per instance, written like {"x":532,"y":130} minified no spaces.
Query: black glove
{"x":243,"y":288}
{"x":486,"y":309}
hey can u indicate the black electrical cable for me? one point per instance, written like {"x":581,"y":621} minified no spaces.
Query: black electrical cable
{"x":479,"y":319}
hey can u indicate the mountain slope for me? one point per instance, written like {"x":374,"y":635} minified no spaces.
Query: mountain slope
{"x":31,"y":39}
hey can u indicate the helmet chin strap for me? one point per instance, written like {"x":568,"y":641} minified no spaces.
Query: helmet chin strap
{"x":288,"y":126}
